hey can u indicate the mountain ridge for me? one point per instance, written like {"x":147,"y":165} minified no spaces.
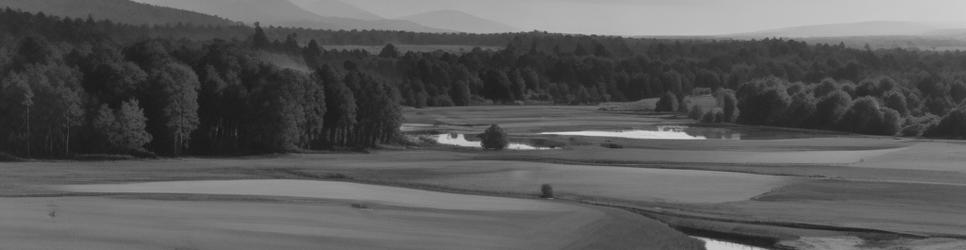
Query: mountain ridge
{"x":460,"y":21}
{"x":287,"y":14}
{"x":118,"y":11}
{"x":336,"y":8}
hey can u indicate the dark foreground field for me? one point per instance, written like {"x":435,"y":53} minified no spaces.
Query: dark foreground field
{"x":818,"y":191}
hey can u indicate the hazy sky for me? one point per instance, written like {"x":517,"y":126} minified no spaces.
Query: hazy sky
{"x":680,"y":17}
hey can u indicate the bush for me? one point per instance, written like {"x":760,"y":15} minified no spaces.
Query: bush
{"x":763,"y":102}
{"x":831,"y":107}
{"x":800,"y":111}
{"x":897,"y":101}
{"x":697,"y":112}
{"x":6,"y":157}
{"x":685,"y":105}
{"x":953,"y":125}
{"x":861,"y":117}
{"x":891,"y":122}
{"x":919,"y":126}
{"x":708,"y":117}
{"x":667,"y":103}
{"x":546,"y":191}
{"x":729,"y":105}
{"x":494,"y":138}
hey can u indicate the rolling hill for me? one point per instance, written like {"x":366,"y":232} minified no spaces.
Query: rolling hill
{"x":458,"y":20}
{"x":123,"y":11}
{"x":286,"y":13}
{"x":336,"y":8}
{"x":874,"y":28}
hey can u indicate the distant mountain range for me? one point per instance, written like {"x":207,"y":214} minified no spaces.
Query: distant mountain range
{"x":313,"y":14}
{"x":286,"y":13}
{"x":339,"y":15}
{"x":859,"y":29}
{"x":123,"y":11}
{"x":458,"y":20}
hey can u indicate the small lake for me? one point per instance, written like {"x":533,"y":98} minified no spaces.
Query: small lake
{"x":712,"y":244}
{"x":659,"y":133}
{"x":461,"y":141}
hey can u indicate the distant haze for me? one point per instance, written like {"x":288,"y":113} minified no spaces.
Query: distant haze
{"x":680,"y":17}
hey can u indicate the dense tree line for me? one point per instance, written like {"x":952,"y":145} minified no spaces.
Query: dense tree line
{"x":63,"y":95}
{"x":72,"y":85}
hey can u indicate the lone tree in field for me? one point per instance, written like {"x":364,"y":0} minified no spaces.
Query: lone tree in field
{"x":494,"y":138}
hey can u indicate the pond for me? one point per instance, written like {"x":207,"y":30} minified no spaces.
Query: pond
{"x":461,"y":141}
{"x":660,"y":133}
{"x":712,"y":244}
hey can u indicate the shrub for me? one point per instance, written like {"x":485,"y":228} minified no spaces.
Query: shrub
{"x":546,"y":191}
{"x":719,"y":116}
{"x":685,"y":105}
{"x":891,"y":122}
{"x":494,"y":138}
{"x":896,"y":101}
{"x":831,"y":107}
{"x":800,"y":111}
{"x":708,"y":117}
{"x":697,"y":112}
{"x":763,"y":102}
{"x":667,"y":103}
{"x":729,"y":105}
{"x":953,"y":125}
{"x":918,"y":126}
{"x":862,"y":117}
{"x":6,"y":157}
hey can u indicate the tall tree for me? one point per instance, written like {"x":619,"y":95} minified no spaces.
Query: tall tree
{"x":389,"y":51}
{"x":259,"y":39}
{"x":15,"y":105}
{"x":174,"y":107}
{"x":341,"y":108}
{"x":124,"y":129}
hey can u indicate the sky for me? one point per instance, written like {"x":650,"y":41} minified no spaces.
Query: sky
{"x":680,"y":17}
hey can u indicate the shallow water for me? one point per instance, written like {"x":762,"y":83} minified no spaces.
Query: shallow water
{"x":659,"y":133}
{"x":712,"y":244}
{"x":460,"y":140}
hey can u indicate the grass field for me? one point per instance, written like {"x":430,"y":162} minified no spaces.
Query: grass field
{"x":308,"y":214}
{"x":833,"y":190}
{"x":170,"y":222}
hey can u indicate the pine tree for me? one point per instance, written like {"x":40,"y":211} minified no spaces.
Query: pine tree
{"x":259,"y":39}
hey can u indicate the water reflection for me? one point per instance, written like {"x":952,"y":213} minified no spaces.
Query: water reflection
{"x":712,"y":244}
{"x":660,"y":133}
{"x":460,"y":140}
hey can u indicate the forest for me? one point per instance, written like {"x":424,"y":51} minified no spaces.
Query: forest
{"x":85,"y":86}
{"x":68,"y":88}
